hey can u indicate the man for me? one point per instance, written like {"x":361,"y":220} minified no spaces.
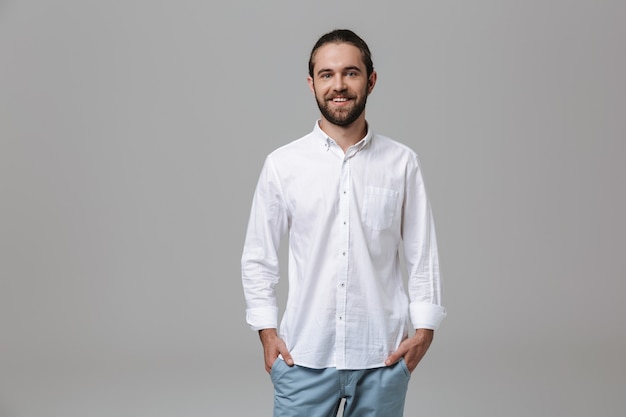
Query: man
{"x":347,"y":197}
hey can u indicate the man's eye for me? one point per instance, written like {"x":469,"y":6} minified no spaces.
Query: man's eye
{"x":325,"y":76}
{"x":351,"y":74}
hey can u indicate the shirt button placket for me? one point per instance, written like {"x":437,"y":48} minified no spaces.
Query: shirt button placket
{"x":344,"y":250}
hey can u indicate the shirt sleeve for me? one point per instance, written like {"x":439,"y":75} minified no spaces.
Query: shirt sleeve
{"x":267,"y":225}
{"x":420,"y":251}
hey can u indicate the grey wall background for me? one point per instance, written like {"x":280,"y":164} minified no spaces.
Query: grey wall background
{"x":131,"y":137}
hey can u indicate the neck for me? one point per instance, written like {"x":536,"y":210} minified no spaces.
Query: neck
{"x":345,"y":136}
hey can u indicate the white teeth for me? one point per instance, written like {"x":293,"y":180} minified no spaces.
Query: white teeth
{"x":340,"y":99}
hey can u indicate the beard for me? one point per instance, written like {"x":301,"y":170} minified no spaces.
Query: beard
{"x":342,"y":116}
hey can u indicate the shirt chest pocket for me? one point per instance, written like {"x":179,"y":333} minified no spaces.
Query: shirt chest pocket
{"x":379,"y":207}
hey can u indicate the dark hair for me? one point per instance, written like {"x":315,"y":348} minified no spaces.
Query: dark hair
{"x":344,"y":36}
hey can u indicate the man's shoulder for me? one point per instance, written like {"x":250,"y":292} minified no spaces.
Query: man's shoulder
{"x":290,"y":148}
{"x":385,"y":143}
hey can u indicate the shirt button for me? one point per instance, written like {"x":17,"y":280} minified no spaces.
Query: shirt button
{"x":340,"y":317}
{"x":342,"y":285}
{"x":344,"y":254}
{"x":344,"y":223}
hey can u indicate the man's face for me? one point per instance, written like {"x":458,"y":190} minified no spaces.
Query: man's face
{"x":340,"y":83}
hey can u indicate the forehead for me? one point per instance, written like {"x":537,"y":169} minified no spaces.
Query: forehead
{"x":337,"y":56}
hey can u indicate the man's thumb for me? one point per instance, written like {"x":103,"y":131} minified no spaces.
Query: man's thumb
{"x":392,"y":359}
{"x":287,"y":357}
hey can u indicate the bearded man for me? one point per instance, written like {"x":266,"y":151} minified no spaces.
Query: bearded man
{"x":347,"y":198}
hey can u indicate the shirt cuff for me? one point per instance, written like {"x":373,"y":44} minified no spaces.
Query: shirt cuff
{"x":262,"y":318}
{"x":426,"y":315}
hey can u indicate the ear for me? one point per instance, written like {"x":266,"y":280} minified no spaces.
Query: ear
{"x":371,"y":82}
{"x":309,"y":80}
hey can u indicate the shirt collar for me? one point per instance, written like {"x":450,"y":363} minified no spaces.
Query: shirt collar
{"x":326,"y":140}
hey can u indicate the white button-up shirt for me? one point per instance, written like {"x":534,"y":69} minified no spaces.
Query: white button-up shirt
{"x":346,"y":215}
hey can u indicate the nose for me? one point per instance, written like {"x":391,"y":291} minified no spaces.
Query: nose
{"x":339,"y":83}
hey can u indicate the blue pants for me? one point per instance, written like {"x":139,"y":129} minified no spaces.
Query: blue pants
{"x":306,"y":392}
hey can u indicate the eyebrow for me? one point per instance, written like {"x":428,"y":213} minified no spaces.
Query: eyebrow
{"x":350,"y":68}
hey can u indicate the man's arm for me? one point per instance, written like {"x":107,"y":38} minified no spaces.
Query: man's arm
{"x":267,"y":225}
{"x":422,"y":261}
